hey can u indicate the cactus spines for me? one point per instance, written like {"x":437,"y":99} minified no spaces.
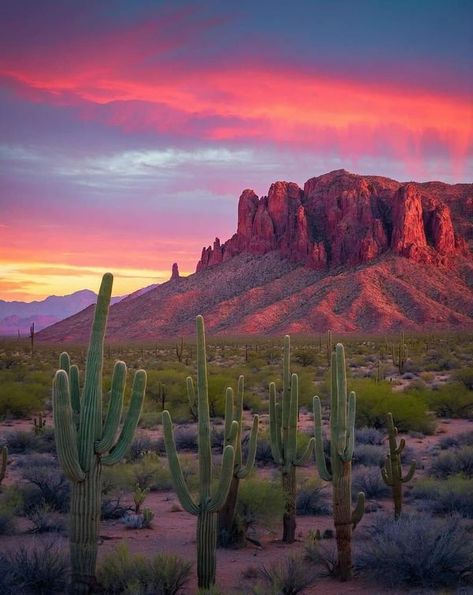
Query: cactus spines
{"x":342,"y":436}
{"x":3,"y":462}
{"x":234,"y":412}
{"x":84,"y":443}
{"x":209,"y":501}
{"x":283,"y":437}
{"x":392,"y":470}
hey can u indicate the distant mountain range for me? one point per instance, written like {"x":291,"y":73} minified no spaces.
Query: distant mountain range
{"x":18,"y":316}
{"x":346,"y":252}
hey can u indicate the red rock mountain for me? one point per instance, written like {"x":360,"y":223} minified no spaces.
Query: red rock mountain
{"x":340,"y":219}
{"x":346,"y":252}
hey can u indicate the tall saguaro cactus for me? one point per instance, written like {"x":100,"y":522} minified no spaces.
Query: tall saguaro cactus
{"x":342,"y":442}
{"x":392,"y":470}
{"x":209,"y":502}
{"x":283,"y":417}
{"x":234,"y":412}
{"x":84,"y":443}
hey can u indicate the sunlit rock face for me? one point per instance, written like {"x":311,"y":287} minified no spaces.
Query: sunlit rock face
{"x":342,"y":219}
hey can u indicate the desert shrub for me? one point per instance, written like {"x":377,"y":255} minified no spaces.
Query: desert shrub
{"x":152,"y":473}
{"x":44,"y":519}
{"x":21,"y":442}
{"x":453,"y":463}
{"x":7,"y":521}
{"x":41,"y":569}
{"x":367,"y":435}
{"x":465,"y":376}
{"x":142,"y":520}
{"x":369,"y":481}
{"x":140,"y":446}
{"x":20,"y":398}
{"x":122,"y":572}
{"x":112,"y":507}
{"x":376,"y":399}
{"x":52,"y":486}
{"x":312,"y":499}
{"x":186,"y":439}
{"x":454,"y":494}
{"x":288,"y":577}
{"x":463,"y":439}
{"x":416,"y":551}
{"x":35,"y":460}
{"x":260,"y":500}
{"x":369,"y":455}
{"x":264,"y":455}
{"x":449,"y":400}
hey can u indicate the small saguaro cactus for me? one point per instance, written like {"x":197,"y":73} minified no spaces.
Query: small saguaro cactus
{"x":392,"y":470}
{"x":210,"y":501}
{"x":3,"y":462}
{"x":283,"y":418}
{"x":342,"y":442}
{"x":39,"y":423}
{"x":399,"y":354}
{"x":32,"y":338}
{"x":329,"y":346}
{"x":84,"y":443}
{"x":234,"y":412}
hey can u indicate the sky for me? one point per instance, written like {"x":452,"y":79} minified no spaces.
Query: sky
{"x":128,"y":129}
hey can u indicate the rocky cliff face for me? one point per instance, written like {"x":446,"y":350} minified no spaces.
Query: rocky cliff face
{"x":342,"y":219}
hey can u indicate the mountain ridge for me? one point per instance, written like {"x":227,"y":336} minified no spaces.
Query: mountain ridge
{"x":349,"y":253}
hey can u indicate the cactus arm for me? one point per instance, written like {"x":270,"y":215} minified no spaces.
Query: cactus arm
{"x":341,"y":442}
{"x":238,"y":416}
{"x":131,"y":421}
{"x":400,"y":448}
{"x":218,"y":499}
{"x":290,"y":454}
{"x":228,"y":415}
{"x":410,"y":473}
{"x":75,"y":390}
{"x":178,"y":480}
{"x":244,"y":471}
{"x":114,"y":409}
{"x":359,"y":510}
{"x":286,"y":391}
{"x":347,"y":454}
{"x":386,"y":472}
{"x":319,"y":445}
{"x":307,"y":453}
{"x":205,"y":449}
{"x":191,"y":395}
{"x":65,"y":362}
{"x":90,"y":423}
{"x":64,"y":429}
{"x":274,"y":426}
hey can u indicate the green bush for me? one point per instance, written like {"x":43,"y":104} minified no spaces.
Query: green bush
{"x":260,"y":500}
{"x":454,"y":494}
{"x":122,"y":572}
{"x":449,"y":400}
{"x":376,"y":399}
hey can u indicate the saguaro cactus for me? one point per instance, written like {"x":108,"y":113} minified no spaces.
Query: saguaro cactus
{"x":234,"y":412}
{"x":84,"y":443}
{"x":392,"y":470}
{"x":342,"y":441}
{"x":39,"y":423}
{"x":3,"y":462}
{"x":209,"y":502}
{"x":283,"y":435}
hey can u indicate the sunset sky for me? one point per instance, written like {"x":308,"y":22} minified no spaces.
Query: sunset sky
{"x":128,"y":129}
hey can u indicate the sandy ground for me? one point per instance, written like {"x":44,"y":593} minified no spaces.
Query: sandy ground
{"x":174,"y":532}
